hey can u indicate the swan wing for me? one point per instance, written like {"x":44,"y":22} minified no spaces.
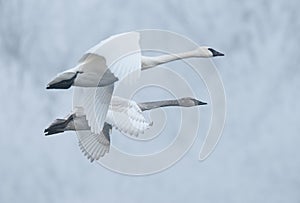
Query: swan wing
{"x":113,"y":59}
{"x":95,"y":145}
{"x":119,"y":54}
{"x":126,"y":116}
{"x":114,"y":53}
{"x":94,"y":102}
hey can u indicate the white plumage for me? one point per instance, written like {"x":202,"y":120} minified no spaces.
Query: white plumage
{"x":126,"y":116}
{"x":123,"y":114}
{"x":121,"y":54}
{"x":116,"y":58}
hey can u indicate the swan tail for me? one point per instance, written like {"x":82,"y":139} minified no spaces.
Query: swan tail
{"x":58,"y":126}
{"x":63,"y":81}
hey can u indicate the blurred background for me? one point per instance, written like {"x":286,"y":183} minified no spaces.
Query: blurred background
{"x":256,"y":160}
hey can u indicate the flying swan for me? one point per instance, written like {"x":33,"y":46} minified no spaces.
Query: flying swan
{"x":113,"y":59}
{"x":123,"y":114}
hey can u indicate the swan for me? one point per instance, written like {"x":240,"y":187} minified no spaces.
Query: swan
{"x":123,"y":114}
{"x":97,"y":67}
{"x":98,"y":70}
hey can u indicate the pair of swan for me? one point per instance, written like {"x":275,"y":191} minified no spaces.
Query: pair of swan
{"x":97,"y":72}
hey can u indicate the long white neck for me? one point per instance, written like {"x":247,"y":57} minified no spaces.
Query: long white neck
{"x":149,"y":62}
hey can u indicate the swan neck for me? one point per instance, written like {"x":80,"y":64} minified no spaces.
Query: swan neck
{"x":149,"y":62}
{"x":157,"y":104}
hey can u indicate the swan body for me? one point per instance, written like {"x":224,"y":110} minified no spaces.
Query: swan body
{"x":123,"y":114}
{"x":98,"y":67}
{"x":113,"y":59}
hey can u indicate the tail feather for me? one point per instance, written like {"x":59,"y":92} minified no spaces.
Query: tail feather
{"x":63,"y":81}
{"x":58,"y":126}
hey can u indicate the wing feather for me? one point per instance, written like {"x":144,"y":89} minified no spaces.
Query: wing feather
{"x":127,"y":117}
{"x":95,"y":104}
{"x":93,"y":145}
{"x":122,"y":55}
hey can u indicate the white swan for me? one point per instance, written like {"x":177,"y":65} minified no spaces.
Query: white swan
{"x":98,"y":69}
{"x":97,"y":66}
{"x":124,"y":115}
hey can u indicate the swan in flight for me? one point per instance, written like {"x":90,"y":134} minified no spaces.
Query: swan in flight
{"x":113,"y":59}
{"x":123,"y":114}
{"x":98,"y":67}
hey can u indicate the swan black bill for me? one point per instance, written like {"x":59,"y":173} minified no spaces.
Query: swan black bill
{"x":201,"y":103}
{"x":215,"y":53}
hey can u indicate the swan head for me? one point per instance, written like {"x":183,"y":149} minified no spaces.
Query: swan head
{"x":208,"y":52}
{"x":189,"y":102}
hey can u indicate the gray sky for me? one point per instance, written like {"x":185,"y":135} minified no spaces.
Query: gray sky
{"x":257,"y":159}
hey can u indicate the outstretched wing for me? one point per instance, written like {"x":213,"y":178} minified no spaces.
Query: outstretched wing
{"x":94,"y":102}
{"x":127,"y":117}
{"x":122,"y":55}
{"x":95,"y":145}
